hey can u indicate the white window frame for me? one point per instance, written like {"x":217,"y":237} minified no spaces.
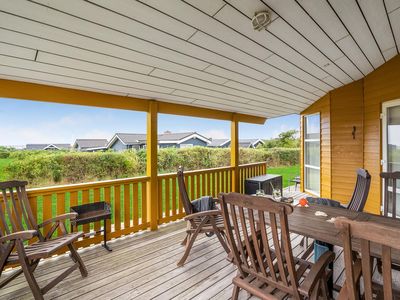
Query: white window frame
{"x":186,"y":146}
{"x":385,"y":106}
{"x":304,"y":154}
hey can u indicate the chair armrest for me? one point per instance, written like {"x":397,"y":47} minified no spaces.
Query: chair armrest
{"x":63,"y":217}
{"x":316,"y":273}
{"x":203,"y":214}
{"x":19,"y":235}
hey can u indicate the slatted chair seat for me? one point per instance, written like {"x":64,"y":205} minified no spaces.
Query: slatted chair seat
{"x":219,"y":222}
{"x":45,"y":249}
{"x":208,"y":222}
{"x":265,"y":262}
{"x":18,"y":225}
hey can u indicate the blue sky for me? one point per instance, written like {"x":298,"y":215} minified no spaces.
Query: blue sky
{"x":38,"y":122}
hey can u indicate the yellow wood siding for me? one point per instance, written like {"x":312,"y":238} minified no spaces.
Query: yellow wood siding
{"x":356,"y":104}
{"x":346,"y":152}
{"x":379,"y":86}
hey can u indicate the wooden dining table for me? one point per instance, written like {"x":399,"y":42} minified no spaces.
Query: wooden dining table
{"x":303,"y":221}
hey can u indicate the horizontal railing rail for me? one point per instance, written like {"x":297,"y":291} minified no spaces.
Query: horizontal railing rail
{"x":128,"y":198}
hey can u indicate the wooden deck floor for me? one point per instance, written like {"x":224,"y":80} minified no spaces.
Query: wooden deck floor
{"x":143,"y":266}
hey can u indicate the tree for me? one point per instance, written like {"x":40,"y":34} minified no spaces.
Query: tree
{"x":287,"y":139}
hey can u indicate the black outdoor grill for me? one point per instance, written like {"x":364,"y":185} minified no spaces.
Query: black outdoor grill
{"x":92,"y":212}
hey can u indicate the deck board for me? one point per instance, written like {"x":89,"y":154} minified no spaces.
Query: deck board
{"x":143,"y":266}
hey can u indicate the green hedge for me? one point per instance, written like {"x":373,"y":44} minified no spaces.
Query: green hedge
{"x":42,"y":168}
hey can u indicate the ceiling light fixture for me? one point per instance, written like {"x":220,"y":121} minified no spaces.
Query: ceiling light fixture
{"x":261,"y":20}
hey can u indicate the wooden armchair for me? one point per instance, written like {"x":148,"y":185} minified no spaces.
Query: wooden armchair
{"x":18,"y":225}
{"x":266,"y":266}
{"x":199,"y":222}
{"x":381,"y":237}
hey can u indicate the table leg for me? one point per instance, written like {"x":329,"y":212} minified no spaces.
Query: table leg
{"x":105,"y":236}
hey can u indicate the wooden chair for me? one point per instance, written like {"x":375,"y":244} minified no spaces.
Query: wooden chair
{"x":18,"y":225}
{"x":199,"y":222}
{"x":266,"y":266}
{"x":389,"y":198}
{"x":361,"y":190}
{"x":381,"y":237}
{"x":357,"y":201}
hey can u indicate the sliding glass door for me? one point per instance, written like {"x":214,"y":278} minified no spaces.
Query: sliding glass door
{"x":312,"y":153}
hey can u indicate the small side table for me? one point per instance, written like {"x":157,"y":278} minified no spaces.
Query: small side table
{"x":263,"y":182}
{"x":93,"y":212}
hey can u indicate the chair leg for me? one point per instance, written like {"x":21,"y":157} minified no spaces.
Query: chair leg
{"x":185,"y":240}
{"x":235,"y":292}
{"x":26,"y":267}
{"x":189,"y":245}
{"x":222,"y":241}
{"x":76,"y":257}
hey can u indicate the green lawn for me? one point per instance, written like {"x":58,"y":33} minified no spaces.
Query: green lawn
{"x":288,"y":173}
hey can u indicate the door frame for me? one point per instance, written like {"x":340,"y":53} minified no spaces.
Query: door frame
{"x":385,"y":106}
{"x":384,"y":133}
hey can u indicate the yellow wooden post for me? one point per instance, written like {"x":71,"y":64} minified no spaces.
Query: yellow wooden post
{"x":152,"y":189}
{"x":235,"y":153}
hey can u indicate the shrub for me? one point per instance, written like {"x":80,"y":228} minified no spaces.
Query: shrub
{"x":47,"y":167}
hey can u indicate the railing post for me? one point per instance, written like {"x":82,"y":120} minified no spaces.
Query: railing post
{"x":235,"y":153}
{"x":151,"y":170}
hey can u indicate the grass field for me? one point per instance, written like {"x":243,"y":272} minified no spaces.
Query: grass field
{"x":288,"y":173}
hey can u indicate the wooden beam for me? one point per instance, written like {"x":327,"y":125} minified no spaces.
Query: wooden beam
{"x":32,"y":91}
{"x":235,"y":153}
{"x":151,"y":170}
{"x":201,"y":112}
{"x":20,"y":90}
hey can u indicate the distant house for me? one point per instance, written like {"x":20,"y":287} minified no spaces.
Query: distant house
{"x":90,"y":145}
{"x":243,"y":143}
{"x":48,"y":147}
{"x":250,"y":143}
{"x":220,"y":143}
{"x":126,"y":141}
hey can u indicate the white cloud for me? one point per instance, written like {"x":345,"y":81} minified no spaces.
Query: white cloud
{"x":215,"y":134}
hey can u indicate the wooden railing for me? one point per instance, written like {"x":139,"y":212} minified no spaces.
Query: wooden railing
{"x":199,"y":183}
{"x":128,"y":198}
{"x":250,"y":170}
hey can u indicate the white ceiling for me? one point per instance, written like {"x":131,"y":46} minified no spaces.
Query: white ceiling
{"x":199,"y":52}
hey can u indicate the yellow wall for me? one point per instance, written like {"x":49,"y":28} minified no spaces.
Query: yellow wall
{"x":347,"y":152}
{"x":356,"y":104}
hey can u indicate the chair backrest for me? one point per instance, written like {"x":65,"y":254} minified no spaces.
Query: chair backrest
{"x":187,"y":205}
{"x":361,"y":191}
{"x":383,"y":239}
{"x":270,"y":260}
{"x":15,"y":210}
{"x":389,"y":197}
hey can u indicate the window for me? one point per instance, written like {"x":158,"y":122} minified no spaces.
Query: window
{"x":312,"y":153}
{"x":186,"y":145}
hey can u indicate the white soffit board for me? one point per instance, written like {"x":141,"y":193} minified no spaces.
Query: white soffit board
{"x":201,"y":53}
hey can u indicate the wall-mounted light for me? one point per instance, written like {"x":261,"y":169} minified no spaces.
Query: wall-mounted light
{"x":353,"y":133}
{"x":261,"y":20}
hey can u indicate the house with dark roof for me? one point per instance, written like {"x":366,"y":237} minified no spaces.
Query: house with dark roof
{"x":243,"y":143}
{"x":48,"y":147}
{"x":90,"y":145}
{"x":220,"y":143}
{"x":126,"y":141}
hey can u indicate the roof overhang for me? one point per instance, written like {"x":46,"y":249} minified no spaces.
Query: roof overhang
{"x":196,"y":58}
